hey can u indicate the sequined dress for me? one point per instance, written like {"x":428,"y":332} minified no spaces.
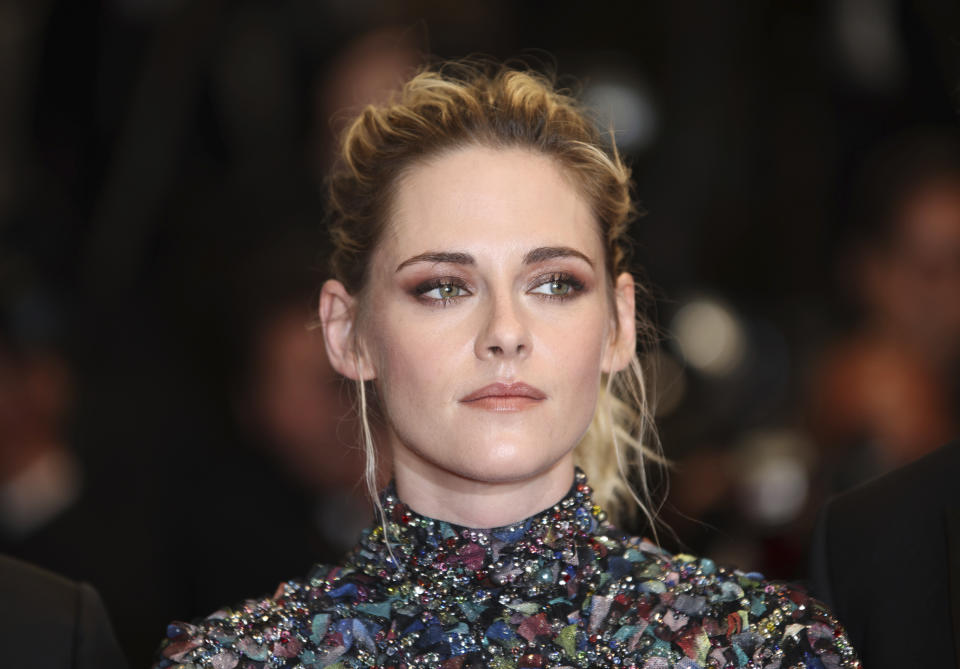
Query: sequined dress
{"x":563,"y":588}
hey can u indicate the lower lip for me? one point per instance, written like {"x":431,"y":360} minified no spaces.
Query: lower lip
{"x":503,"y":404}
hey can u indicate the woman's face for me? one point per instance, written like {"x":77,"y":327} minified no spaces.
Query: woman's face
{"x":490,"y":318}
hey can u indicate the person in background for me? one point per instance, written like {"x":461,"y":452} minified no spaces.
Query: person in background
{"x":887,"y":392}
{"x":293,"y":411}
{"x":40,"y":475}
{"x":888,"y":397}
{"x":903,"y":527}
{"x":49,"y":622}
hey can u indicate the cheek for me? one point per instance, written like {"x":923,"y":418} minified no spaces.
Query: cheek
{"x":413,"y":364}
{"x":578,"y":349}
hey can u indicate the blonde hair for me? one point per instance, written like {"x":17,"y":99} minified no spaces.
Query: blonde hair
{"x":471,"y":103}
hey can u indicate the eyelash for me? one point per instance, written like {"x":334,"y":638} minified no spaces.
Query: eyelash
{"x":422,"y":289}
{"x":576,"y":287}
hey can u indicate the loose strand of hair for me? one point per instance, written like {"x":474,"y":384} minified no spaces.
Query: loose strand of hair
{"x":370,"y":461}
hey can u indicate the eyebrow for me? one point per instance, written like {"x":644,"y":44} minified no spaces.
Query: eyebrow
{"x":550,"y":252}
{"x":532,"y":257}
{"x":439,"y":256}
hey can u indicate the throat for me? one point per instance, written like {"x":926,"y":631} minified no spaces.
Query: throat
{"x":473,"y":503}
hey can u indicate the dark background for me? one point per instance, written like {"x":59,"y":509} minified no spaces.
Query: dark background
{"x":161,"y":167}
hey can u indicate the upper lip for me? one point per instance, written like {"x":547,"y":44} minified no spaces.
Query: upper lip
{"x":518,"y":389}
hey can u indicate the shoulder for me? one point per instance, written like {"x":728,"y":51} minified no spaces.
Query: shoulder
{"x":23,"y":583}
{"x":43,"y":597}
{"x":933,"y":475}
{"x":714,"y":614}
{"x":895,"y":518}
{"x":50,"y":621}
{"x":892,"y":525}
{"x":289,"y":624}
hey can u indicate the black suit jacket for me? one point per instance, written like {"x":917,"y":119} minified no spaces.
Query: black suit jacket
{"x":49,"y":622}
{"x":886,"y":558}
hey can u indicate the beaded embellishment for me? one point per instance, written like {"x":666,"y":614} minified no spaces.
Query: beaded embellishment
{"x":561,"y":589}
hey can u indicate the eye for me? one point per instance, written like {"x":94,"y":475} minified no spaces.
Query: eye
{"x":558,"y":285}
{"x":441,"y":290}
{"x":555,"y":287}
{"x":445,"y":291}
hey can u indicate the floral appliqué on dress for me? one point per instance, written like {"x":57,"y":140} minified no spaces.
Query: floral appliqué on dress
{"x":563,"y":588}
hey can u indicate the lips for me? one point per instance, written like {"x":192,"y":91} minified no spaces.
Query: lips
{"x":504,"y":397}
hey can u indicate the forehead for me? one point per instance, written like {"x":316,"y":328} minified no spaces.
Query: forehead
{"x":489,"y":200}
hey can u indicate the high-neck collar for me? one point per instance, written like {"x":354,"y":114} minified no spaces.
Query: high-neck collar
{"x":431,"y":548}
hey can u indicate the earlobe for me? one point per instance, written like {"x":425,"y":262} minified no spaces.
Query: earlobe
{"x":623,"y":342}
{"x":338,"y":315}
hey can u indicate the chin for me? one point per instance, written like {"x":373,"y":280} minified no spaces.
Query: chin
{"x":509,"y":463}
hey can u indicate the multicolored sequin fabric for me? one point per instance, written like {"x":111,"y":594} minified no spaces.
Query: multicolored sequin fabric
{"x":562,"y":589}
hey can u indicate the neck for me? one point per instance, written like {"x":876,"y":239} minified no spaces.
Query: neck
{"x":468,"y":502}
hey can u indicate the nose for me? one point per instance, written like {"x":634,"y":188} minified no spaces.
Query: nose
{"x":504,"y":333}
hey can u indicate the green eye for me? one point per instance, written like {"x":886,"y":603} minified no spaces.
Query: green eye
{"x":445,"y":291}
{"x":448,"y":290}
{"x":559,"y":285}
{"x":555,"y":288}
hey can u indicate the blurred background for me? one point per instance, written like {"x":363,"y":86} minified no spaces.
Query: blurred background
{"x":171,"y":433}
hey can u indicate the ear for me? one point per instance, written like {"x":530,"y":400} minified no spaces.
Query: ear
{"x":623,"y":340}
{"x":338,"y":316}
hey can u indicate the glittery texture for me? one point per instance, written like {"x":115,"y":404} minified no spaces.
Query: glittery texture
{"x":560,"y":589}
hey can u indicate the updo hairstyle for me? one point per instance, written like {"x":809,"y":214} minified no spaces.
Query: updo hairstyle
{"x":461,"y":104}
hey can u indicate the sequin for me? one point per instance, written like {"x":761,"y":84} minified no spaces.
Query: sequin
{"x":561,"y":589}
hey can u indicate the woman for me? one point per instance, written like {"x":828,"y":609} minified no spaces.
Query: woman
{"x":482,"y":303}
